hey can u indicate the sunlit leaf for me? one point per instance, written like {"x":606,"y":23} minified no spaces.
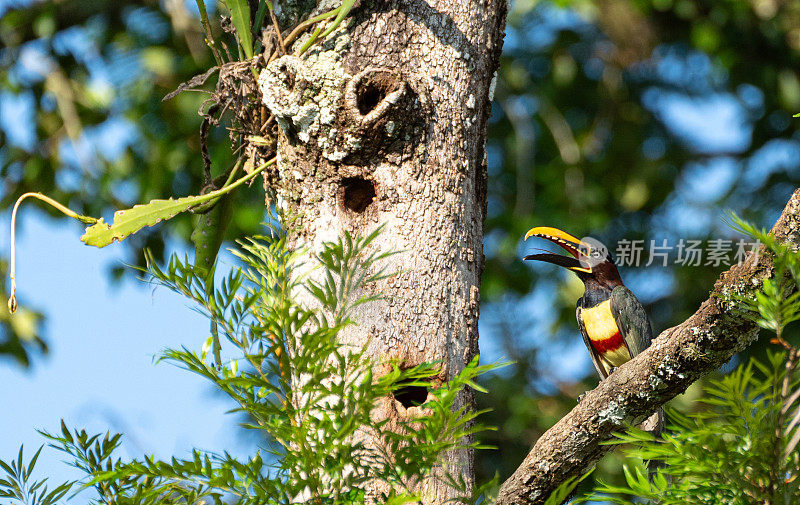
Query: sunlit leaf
{"x":240,"y":16}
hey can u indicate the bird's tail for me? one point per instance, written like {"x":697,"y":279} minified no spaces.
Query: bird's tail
{"x":655,"y":425}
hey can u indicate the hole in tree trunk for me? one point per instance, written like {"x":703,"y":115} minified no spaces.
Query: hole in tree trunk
{"x":288,"y":77}
{"x":411,"y":396}
{"x":373,"y":88}
{"x":357,"y":194}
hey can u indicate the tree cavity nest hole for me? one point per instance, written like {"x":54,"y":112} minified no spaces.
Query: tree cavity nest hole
{"x":372,"y":88}
{"x":411,"y":396}
{"x":357,"y":194}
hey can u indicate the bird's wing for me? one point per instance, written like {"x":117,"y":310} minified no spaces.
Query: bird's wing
{"x":598,"y":363}
{"x":631,"y":319}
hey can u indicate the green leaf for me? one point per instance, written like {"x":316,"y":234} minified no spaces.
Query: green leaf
{"x":263,"y":5}
{"x":209,"y":230}
{"x":129,"y":221}
{"x":240,"y":16}
{"x":560,"y":494}
{"x":343,"y":11}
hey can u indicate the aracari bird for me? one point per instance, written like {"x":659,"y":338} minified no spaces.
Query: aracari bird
{"x":613,"y":322}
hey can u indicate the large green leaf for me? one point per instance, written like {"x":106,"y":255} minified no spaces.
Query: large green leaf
{"x":240,"y":16}
{"x":132,"y":220}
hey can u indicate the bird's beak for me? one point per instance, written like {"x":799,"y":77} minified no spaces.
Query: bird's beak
{"x":572,"y":245}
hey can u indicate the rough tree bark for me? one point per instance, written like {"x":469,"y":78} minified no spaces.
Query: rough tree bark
{"x":385,"y":122}
{"x":677,"y":358}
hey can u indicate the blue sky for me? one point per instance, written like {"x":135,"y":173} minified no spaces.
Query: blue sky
{"x":100,"y":373}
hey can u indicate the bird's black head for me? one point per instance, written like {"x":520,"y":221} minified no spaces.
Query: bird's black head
{"x":590,"y":259}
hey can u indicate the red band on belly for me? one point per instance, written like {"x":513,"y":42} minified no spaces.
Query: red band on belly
{"x":611,"y":343}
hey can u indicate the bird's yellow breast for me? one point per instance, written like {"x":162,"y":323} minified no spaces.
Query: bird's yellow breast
{"x":599,"y":321}
{"x":604,"y":334}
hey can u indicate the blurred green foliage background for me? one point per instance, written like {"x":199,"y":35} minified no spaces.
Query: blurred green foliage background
{"x":623,"y":119}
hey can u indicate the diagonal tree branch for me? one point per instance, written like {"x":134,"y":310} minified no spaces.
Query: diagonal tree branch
{"x":678,"y":357}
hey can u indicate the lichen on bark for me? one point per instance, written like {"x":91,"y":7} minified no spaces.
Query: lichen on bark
{"x":305,"y":94}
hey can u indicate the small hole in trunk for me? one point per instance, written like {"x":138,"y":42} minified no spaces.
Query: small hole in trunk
{"x":357,"y":194}
{"x":373,"y":88}
{"x":411,"y":396}
{"x":288,"y":76}
{"x":369,"y":97}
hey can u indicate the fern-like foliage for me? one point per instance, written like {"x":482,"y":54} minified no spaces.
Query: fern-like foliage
{"x":279,"y":319}
{"x":733,"y":453}
{"x":19,"y":486}
{"x":777,"y":303}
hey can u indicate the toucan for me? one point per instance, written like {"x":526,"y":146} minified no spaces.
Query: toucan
{"x":613,"y":322}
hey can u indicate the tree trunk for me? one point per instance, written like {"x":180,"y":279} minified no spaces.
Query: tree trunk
{"x":385,"y":123}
